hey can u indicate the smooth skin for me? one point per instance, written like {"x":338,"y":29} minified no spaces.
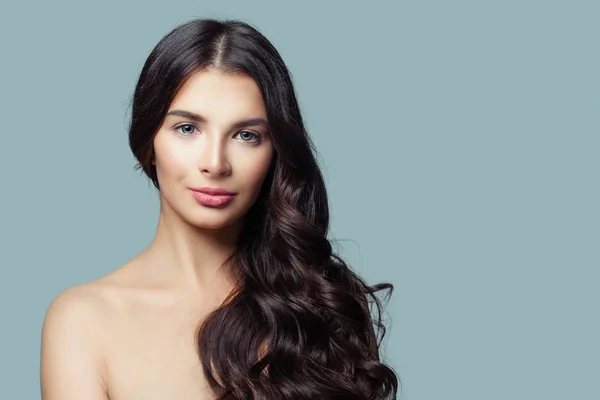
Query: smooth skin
{"x":131,"y":334}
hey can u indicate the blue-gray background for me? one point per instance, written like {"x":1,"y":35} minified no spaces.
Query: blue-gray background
{"x":459,"y":140}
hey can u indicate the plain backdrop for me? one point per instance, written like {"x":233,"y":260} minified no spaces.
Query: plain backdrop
{"x":460,"y":144}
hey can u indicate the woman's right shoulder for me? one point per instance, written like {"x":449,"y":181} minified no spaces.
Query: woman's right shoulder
{"x":80,"y":302}
{"x":90,"y":300}
{"x":93,"y":302}
{"x":78,"y":313}
{"x":72,"y":348}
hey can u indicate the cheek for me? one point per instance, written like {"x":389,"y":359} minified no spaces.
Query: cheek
{"x":171,"y":160}
{"x":255,"y":169}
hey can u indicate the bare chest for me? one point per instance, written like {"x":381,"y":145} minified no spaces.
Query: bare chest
{"x":152,"y":356}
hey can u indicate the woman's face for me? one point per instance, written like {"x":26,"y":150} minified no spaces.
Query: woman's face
{"x":214,"y":137}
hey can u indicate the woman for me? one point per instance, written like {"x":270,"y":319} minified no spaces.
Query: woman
{"x":239,"y":295}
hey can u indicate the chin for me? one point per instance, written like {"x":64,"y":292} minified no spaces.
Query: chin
{"x":207,"y":221}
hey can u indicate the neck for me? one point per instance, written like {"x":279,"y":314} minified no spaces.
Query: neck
{"x":190,"y":258}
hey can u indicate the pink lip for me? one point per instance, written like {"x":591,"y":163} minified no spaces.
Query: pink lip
{"x":213,"y":191}
{"x":212,"y":197}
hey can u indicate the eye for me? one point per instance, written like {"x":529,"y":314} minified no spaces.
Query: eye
{"x":188,"y":129}
{"x":249,"y":136}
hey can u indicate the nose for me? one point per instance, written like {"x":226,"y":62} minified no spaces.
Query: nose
{"x":213,"y":160}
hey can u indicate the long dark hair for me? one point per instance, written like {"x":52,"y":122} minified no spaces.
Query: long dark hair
{"x":299,"y":325}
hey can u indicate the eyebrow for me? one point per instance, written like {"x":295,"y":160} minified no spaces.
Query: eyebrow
{"x":200,"y":119}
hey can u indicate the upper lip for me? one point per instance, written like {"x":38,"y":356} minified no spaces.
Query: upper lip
{"x":213,"y":191}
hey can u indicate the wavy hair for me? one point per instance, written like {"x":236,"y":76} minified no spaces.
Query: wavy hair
{"x":299,"y":324}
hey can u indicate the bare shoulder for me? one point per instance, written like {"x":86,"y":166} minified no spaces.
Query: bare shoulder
{"x":73,"y":343}
{"x":82,"y":301}
{"x":87,"y":306}
{"x":81,"y":308}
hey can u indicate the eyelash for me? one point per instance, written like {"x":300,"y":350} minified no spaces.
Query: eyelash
{"x":257,"y":137}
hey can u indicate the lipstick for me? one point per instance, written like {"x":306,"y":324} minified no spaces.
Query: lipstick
{"x":212,"y":197}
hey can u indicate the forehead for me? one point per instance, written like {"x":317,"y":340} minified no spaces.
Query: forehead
{"x":220,"y":95}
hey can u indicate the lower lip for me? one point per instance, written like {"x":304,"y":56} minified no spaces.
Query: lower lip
{"x":212,"y":200}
